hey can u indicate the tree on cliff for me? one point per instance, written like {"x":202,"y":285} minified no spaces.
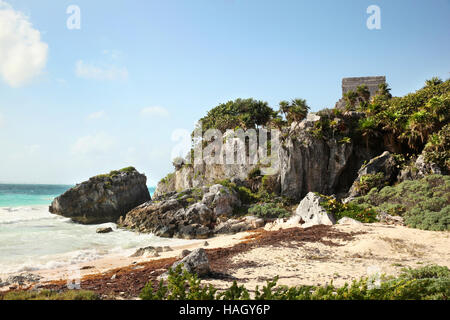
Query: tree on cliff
{"x":294,"y":111}
{"x":243,"y":113}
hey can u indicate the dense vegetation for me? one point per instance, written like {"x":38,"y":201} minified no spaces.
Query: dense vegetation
{"x":268,"y":211}
{"x":426,"y":283}
{"x":407,"y":122}
{"x":424,"y":203}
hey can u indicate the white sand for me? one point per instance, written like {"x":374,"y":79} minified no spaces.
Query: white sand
{"x":383,"y":249}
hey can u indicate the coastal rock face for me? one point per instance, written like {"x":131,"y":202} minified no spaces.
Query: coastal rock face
{"x":306,"y":163}
{"x":104,"y":198}
{"x":311,"y":213}
{"x":310,"y":164}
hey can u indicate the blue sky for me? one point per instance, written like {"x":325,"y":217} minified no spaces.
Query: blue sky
{"x":112,"y":93}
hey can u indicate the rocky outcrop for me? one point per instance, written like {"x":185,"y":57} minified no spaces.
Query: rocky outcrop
{"x":311,"y":213}
{"x":378,"y":172}
{"x":191,"y":214}
{"x":419,"y":169}
{"x":104,"y":198}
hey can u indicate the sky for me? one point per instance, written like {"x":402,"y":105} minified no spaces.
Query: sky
{"x":135,"y":75}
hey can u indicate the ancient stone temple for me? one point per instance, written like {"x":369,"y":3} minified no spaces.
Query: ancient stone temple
{"x":372,"y":83}
{"x":351,"y":84}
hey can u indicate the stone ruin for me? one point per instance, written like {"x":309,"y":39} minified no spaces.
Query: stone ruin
{"x":351,"y":84}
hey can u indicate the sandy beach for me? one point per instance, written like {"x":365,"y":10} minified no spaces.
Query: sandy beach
{"x":311,"y":256}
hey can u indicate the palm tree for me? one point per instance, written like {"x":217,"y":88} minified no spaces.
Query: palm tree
{"x":384,"y":90}
{"x":300,"y":109}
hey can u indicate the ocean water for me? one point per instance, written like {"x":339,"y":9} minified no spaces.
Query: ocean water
{"x":32,"y":239}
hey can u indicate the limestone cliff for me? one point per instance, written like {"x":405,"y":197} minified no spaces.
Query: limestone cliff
{"x":307,"y":163}
{"x":103,"y":198}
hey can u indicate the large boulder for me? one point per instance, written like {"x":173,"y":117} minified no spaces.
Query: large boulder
{"x":196,"y":262}
{"x":104,"y":198}
{"x":310,"y":213}
{"x":224,"y":200}
{"x":196,"y":213}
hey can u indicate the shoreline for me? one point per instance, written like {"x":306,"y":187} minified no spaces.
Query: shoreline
{"x":310,"y":256}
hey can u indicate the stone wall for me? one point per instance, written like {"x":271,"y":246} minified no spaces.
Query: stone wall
{"x":350,"y":84}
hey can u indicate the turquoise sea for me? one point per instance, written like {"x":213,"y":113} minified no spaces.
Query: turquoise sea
{"x":14,"y":195}
{"x":31,"y":238}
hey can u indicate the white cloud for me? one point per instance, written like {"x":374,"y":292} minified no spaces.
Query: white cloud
{"x":96,"y":115}
{"x":155,"y":111}
{"x":96,"y":144}
{"x":23,"y":55}
{"x":91,"y":71}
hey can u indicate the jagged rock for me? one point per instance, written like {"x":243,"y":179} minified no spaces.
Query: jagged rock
{"x":384,"y":163}
{"x":311,"y":213}
{"x":104,"y":230}
{"x":222,"y":199}
{"x":103,"y":198}
{"x":420,"y":169}
{"x":190,"y":214}
{"x":167,"y":249}
{"x":347,"y":220}
{"x":206,"y":244}
{"x":196,"y":262}
{"x":388,"y":219}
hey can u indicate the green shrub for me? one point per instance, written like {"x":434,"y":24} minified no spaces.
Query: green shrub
{"x":247,"y":196}
{"x":437,"y":149}
{"x":268,"y":211}
{"x":424,"y":203}
{"x":426,"y":283}
{"x":350,"y":210}
{"x":369,"y":181}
